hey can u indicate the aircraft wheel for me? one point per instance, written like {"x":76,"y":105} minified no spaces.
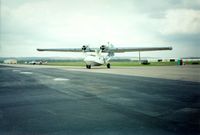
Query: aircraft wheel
{"x":108,"y":65}
{"x":88,"y":66}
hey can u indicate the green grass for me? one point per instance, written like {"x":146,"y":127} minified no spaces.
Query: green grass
{"x":139,"y":64}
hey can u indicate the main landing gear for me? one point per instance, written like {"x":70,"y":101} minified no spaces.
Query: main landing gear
{"x":108,"y":65}
{"x":88,"y":66}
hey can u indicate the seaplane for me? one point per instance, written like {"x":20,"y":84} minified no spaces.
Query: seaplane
{"x":95,"y":57}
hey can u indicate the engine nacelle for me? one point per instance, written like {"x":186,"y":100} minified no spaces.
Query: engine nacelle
{"x":104,"y":48}
{"x":85,"y":48}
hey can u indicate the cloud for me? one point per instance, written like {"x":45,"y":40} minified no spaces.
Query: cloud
{"x":160,"y":6}
{"x":181,"y":21}
{"x":63,"y":23}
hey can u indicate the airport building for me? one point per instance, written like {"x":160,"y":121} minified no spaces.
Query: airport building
{"x":10,"y":61}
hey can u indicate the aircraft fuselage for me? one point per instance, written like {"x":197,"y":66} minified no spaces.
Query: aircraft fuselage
{"x":94,"y":60}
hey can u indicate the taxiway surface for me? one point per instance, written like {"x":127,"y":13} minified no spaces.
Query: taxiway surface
{"x":40,"y":101}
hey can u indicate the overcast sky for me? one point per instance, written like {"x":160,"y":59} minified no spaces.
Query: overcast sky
{"x":29,"y":24}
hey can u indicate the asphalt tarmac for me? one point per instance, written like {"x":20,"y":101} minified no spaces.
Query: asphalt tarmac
{"x":51,"y":101}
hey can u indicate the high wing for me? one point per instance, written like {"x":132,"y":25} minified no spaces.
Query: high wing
{"x":68,"y":50}
{"x":107,"y":49}
{"x":62,"y":50}
{"x":134,"y":49}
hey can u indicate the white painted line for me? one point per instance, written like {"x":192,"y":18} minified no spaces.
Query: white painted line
{"x":16,"y":70}
{"x":27,"y":73}
{"x":61,"y":79}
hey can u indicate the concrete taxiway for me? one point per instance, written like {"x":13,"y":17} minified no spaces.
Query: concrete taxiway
{"x":184,"y":73}
{"x":56,"y":101}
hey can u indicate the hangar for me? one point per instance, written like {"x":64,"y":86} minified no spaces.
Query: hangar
{"x":10,"y":61}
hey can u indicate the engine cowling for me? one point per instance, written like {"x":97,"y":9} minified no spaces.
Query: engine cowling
{"x":85,"y":48}
{"x":104,"y":48}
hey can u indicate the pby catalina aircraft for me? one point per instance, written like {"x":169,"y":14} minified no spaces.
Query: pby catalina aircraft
{"x":96,"y":58}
